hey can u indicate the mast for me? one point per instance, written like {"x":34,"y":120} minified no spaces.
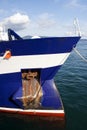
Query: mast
{"x":77,"y":27}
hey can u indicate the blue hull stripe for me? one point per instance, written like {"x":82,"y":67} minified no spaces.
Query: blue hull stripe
{"x":39,"y":46}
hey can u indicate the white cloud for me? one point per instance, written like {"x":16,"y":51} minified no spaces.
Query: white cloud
{"x":43,"y":24}
{"x":46,"y":20}
{"x":76,"y":4}
{"x":17,"y":21}
{"x":18,"y":18}
{"x":47,"y":25}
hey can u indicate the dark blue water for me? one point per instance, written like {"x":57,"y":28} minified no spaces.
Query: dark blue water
{"x":72,"y":85}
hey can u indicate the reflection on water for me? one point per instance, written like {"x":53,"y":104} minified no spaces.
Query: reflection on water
{"x":22,"y":122}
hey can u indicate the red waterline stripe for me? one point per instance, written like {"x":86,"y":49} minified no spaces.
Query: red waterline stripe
{"x":45,"y":114}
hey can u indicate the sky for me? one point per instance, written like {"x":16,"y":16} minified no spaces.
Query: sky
{"x":44,"y":17}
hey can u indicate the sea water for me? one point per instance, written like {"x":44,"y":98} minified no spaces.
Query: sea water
{"x":72,"y":84}
{"x":71,"y":81}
